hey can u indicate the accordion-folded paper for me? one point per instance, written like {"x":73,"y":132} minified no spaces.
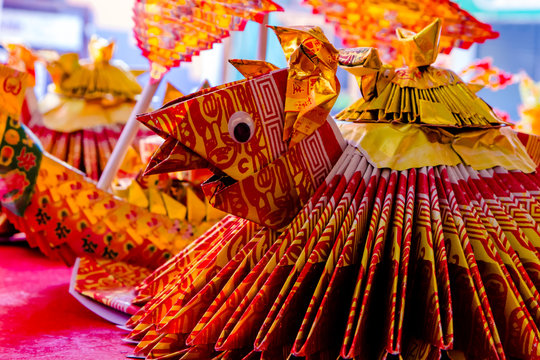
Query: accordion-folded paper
{"x":426,"y":262}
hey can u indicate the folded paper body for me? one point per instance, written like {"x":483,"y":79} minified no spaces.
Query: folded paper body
{"x":422,"y":249}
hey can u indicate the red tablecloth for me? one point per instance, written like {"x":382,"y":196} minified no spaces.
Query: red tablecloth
{"x":40,"y":320}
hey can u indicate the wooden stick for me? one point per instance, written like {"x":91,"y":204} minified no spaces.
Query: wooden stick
{"x":127,"y":136}
{"x":263,"y":39}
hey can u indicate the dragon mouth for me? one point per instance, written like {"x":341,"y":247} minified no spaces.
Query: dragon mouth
{"x":216,"y":184}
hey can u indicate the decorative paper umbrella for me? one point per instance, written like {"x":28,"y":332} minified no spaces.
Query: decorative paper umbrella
{"x":374,"y":22}
{"x":432,"y":254}
{"x":170,"y":32}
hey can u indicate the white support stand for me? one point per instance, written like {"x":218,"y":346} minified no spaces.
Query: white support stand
{"x":127,"y":136}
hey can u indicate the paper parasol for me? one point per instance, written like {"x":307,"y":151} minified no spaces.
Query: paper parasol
{"x":372,"y":23}
{"x":425,"y":262}
{"x":170,"y":32}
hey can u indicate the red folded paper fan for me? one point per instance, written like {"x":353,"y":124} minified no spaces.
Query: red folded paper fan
{"x":384,"y":262}
{"x":373,"y":22}
{"x":434,"y":261}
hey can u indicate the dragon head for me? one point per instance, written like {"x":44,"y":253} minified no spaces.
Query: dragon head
{"x":266,"y":138}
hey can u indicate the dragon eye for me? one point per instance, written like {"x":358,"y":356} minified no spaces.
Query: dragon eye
{"x":241,"y":127}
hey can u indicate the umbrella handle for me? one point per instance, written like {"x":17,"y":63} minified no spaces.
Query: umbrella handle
{"x":127,"y":135}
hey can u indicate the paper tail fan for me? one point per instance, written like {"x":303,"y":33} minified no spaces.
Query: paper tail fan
{"x":384,"y":262}
{"x":431,"y":261}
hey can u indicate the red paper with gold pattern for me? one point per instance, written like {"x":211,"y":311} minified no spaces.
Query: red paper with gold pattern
{"x":298,"y":295}
{"x":423,"y":263}
{"x":110,"y":282}
{"x":373,"y":23}
{"x":74,"y":218}
{"x":266,"y":170}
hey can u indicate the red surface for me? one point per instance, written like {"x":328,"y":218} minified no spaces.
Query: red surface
{"x":39,"y":319}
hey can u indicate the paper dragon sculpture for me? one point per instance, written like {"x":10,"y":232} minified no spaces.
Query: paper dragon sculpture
{"x":80,"y":118}
{"x":419,"y":237}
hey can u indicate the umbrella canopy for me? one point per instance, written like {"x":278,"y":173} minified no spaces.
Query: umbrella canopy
{"x":373,"y":23}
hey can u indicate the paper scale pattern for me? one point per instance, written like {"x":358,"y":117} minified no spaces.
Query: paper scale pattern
{"x":68,"y":217}
{"x":425,"y":263}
